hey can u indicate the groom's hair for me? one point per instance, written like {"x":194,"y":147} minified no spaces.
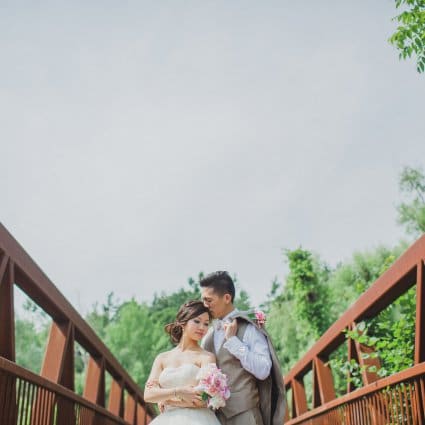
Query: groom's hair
{"x":220,"y":282}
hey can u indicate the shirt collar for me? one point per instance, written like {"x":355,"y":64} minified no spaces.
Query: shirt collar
{"x":230,"y":315}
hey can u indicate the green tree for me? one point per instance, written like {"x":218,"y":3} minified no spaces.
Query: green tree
{"x":412,"y":212}
{"x":135,"y":338}
{"x":31,"y":331}
{"x":165,"y":306}
{"x":350,"y":279}
{"x":347,"y":282}
{"x":298,"y":315}
{"x":309,"y":291}
{"x":409,"y":38}
{"x":285,"y":332}
{"x":101,"y":316}
{"x":393,"y":334}
{"x":30,"y":344}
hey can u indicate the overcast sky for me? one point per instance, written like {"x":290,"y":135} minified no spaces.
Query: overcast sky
{"x":143,"y":142}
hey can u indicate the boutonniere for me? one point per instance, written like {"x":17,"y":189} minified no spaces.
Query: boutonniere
{"x":258,"y":316}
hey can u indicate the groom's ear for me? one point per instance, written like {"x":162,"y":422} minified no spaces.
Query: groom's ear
{"x":227,"y":298}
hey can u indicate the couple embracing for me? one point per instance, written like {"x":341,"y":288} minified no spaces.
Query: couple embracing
{"x":236,"y":344}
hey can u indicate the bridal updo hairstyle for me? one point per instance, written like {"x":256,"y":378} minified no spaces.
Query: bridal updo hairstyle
{"x":187,"y":311}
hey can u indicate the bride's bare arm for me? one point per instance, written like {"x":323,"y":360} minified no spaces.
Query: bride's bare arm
{"x":155,"y":394}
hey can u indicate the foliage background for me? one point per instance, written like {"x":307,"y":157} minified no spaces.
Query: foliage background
{"x":300,"y":309}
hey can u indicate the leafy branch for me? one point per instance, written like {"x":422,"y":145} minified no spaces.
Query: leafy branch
{"x":409,"y":38}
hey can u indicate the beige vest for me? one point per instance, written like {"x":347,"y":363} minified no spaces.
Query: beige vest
{"x":243,"y":385}
{"x":246,"y":391}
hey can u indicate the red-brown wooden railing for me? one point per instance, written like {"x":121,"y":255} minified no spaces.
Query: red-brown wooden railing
{"x":398,"y":399}
{"x":49,"y":398}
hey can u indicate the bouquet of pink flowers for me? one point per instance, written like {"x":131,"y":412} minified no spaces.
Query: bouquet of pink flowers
{"x":213,"y":383}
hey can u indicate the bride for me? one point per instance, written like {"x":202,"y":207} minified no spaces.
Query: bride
{"x":173,"y":377}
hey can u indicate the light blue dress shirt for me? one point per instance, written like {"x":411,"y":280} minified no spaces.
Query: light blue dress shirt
{"x":253,"y":351}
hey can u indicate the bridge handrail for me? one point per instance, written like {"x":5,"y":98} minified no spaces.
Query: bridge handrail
{"x":400,"y":377}
{"x":26,"y":375}
{"x":406,"y":271}
{"x":18,"y":268}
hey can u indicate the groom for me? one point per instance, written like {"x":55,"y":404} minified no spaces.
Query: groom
{"x":245,"y":354}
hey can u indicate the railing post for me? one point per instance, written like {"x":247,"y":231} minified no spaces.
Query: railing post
{"x":7,"y":317}
{"x":299,"y":400}
{"x":355,"y":352}
{"x":116,"y":397}
{"x":324,"y":390}
{"x":365,"y":363}
{"x":7,"y":332}
{"x":420,"y":333}
{"x":58,"y":366}
{"x":141,"y":414}
{"x":420,"y":314}
{"x":130,"y":409}
{"x":94,"y":388}
{"x":352,"y":355}
{"x":58,"y":363}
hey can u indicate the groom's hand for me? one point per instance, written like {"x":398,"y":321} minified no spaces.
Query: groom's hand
{"x":230,"y":329}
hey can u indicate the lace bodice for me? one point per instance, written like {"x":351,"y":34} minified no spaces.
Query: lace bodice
{"x":182,"y":375}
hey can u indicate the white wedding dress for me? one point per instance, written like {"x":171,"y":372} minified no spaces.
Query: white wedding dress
{"x":183,"y":375}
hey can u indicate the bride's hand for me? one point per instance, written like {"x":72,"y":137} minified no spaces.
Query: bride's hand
{"x":190,"y":395}
{"x":200,"y":404}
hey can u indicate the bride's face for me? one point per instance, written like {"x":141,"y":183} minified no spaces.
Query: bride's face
{"x":197,"y":327}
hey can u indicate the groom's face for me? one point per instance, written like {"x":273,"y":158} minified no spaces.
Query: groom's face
{"x":217,"y":304}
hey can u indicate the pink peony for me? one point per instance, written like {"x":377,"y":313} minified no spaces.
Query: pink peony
{"x":260,"y":317}
{"x":213,"y":383}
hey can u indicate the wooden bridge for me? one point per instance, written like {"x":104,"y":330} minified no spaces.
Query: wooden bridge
{"x":398,"y":399}
{"x":49,"y":398}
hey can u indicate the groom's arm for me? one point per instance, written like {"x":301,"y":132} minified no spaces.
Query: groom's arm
{"x":253,"y":352}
